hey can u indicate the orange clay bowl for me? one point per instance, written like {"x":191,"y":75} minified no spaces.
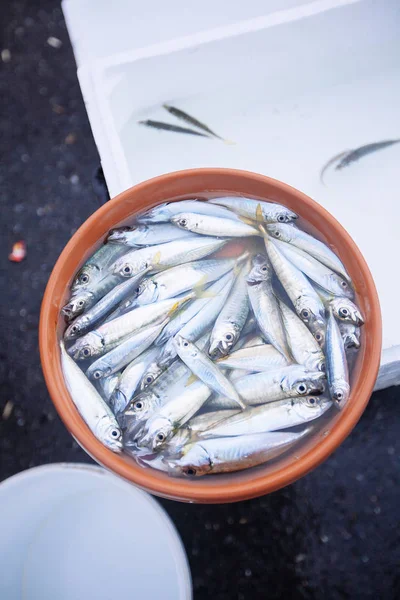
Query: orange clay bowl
{"x":325,"y":437}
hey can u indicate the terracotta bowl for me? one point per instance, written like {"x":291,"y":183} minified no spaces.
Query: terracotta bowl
{"x":206,"y":183}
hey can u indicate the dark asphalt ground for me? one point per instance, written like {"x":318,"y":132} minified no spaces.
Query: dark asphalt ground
{"x":332,"y":535}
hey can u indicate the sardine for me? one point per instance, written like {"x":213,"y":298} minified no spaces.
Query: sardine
{"x":303,"y":346}
{"x":164,"y":212}
{"x":343,"y":308}
{"x":124,"y":353}
{"x":305,"y":299}
{"x":308,"y":243}
{"x":179,"y":279}
{"x":271,"y":385}
{"x":147,"y":235}
{"x":265,"y":305}
{"x":172,"y":415}
{"x":315,"y":270}
{"x":213,"y":226}
{"x":191,"y":310}
{"x":107,"y":303}
{"x":224,"y":455}
{"x":205,"y":369}
{"x":257,"y":210}
{"x":337,"y":370}
{"x":270,"y":417}
{"x":129,"y":381}
{"x":232,"y":318}
{"x":166,"y":255}
{"x":107,"y":336}
{"x":96,"y":267}
{"x":91,"y":406}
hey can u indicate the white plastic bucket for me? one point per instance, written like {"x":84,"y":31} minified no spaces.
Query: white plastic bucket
{"x":71,"y":531}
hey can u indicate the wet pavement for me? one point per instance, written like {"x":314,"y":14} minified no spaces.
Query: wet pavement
{"x":335,"y":533}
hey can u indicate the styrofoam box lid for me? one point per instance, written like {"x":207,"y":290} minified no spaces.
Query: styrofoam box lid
{"x":72,"y":531}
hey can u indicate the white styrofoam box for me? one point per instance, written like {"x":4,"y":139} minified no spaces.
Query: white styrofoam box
{"x":123,"y":25}
{"x":292,"y":89}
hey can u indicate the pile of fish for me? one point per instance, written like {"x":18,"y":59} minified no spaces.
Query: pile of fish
{"x":199,"y":363}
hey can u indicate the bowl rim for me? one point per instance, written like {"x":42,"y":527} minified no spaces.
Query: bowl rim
{"x":183,"y":489}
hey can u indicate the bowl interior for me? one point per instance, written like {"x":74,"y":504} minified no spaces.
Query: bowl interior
{"x":328,"y":432}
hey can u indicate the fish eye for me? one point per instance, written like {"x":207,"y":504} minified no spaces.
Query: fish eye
{"x":312,"y":400}
{"x":264,"y":268}
{"x":160,"y":436}
{"x":338,"y":396}
{"x":114,"y":433}
{"x":322,"y":366}
{"x":343,"y":312}
{"x":84,"y":278}
{"x":344,"y":284}
{"x":86,"y":352}
{"x":81,"y":303}
{"x":281,"y":218}
{"x":183,"y":222}
{"x":189,"y":471}
{"x":305,"y":313}
{"x":318,"y":337}
{"x":301,"y":388}
{"x":229,"y":337}
{"x":97,"y":374}
{"x":186,"y":344}
{"x":127,"y":270}
{"x":74,"y":328}
{"x":138,"y":405}
{"x":277,"y":234}
{"x":149,"y":379}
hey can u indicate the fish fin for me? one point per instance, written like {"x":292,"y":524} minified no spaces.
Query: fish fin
{"x":156,"y":259}
{"x":259,"y":214}
{"x":200,"y":292}
{"x":191,"y":379}
{"x":246,"y":220}
{"x":173,"y":309}
{"x":263,"y":230}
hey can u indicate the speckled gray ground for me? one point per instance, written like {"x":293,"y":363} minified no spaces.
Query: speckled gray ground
{"x":334,"y":534}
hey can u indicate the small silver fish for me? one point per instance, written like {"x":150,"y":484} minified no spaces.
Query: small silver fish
{"x":232,"y":318}
{"x":257,"y":210}
{"x":304,"y":241}
{"x":147,"y":235}
{"x":343,"y":308}
{"x":172,"y":415}
{"x":305,"y":299}
{"x":316,"y":271}
{"x":337,"y":370}
{"x":224,"y":455}
{"x":213,"y":226}
{"x":96,"y":267}
{"x":164,"y":212}
{"x":275,"y":384}
{"x":170,"y":254}
{"x":128,"y":382}
{"x":265,"y":305}
{"x":125,"y":352}
{"x":205,"y":369}
{"x":303,"y":346}
{"x":91,"y":406}
{"x":270,"y":417}
{"x":103,"y":307}
{"x":179,"y":279}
